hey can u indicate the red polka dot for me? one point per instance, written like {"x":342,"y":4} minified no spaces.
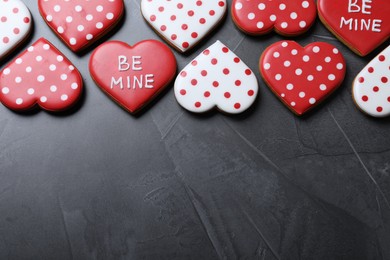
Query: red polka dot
{"x":203,"y":73}
{"x":198,"y":3}
{"x":215,"y":84}
{"x":161,"y":9}
{"x":152,"y":18}
{"x":194,"y":63}
{"x":183,"y":74}
{"x":194,"y":35}
{"x":238,"y":83}
{"x":3,"y":19}
{"x":237,"y":106}
{"x":198,"y":104}
{"x":214,"y":61}
{"x":226,"y":71}
{"x":371,"y":69}
{"x":365,"y":98}
{"x":15,"y":10}
{"x":212,"y":12}
{"x":382,"y":58}
{"x":207,"y":94}
{"x":251,"y":93}
{"x":190,"y":13}
{"x":248,"y":72}
{"x":179,"y":5}
{"x":379,"y":109}
{"x":225,"y":49}
{"x":185,"y":45}
{"x":173,"y":36}
{"x":375,"y":89}
{"x":388,"y":99}
{"x":173,"y":17}
{"x":184,"y":27}
{"x":221,"y":3}
{"x":16,"y":31}
{"x":6,"y":40}
{"x":163,"y":28}
{"x":227,"y":95}
{"x":206,"y":52}
{"x":384,"y":79}
{"x":194,"y":82}
{"x":183,"y":92}
{"x":361,"y":79}
{"x":237,"y":60}
{"x":202,"y":21}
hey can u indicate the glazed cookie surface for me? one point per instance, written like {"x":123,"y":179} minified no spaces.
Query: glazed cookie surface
{"x":371,"y":88}
{"x":216,"y":78}
{"x":41,"y":76}
{"x":183,"y":23}
{"x":257,"y":17}
{"x":362,"y":25}
{"x":79,"y":23}
{"x":15,"y":25}
{"x":302,"y":77}
{"x":132,"y":75}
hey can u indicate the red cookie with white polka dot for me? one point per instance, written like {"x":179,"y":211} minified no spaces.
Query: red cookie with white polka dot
{"x":216,"y":78}
{"x":371,"y":88}
{"x":79,"y":23}
{"x":183,"y":23}
{"x":15,"y":25}
{"x":302,"y":77}
{"x":286,"y":17}
{"x":40,"y":76}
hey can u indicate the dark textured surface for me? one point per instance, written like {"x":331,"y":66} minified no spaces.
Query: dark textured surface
{"x":99,"y":183}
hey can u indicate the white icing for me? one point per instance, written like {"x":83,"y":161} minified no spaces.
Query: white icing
{"x":354,"y":7}
{"x":237,"y":86}
{"x":361,"y":24}
{"x":15,"y":25}
{"x":185,"y":30}
{"x":371,"y":88}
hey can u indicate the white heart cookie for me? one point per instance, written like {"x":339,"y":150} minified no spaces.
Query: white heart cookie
{"x":183,"y":23}
{"x":15,"y":25}
{"x":371,"y":88}
{"x":216,"y":78}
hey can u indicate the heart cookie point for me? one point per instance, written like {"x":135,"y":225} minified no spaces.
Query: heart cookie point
{"x":132,"y":75}
{"x":361,"y":25}
{"x":287,"y":18}
{"x":216,"y":78}
{"x":371,"y":88}
{"x":41,"y":76}
{"x":183,"y":23}
{"x":302,"y":77}
{"x":15,"y":25}
{"x":81,"y":23}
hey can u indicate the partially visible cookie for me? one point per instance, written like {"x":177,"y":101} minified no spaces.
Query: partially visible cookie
{"x":79,"y":23}
{"x":40,"y":76}
{"x":183,"y":23}
{"x":286,"y":17}
{"x":15,"y":25}
{"x":371,"y":88}
{"x":216,"y":78}
{"x":302,"y":77}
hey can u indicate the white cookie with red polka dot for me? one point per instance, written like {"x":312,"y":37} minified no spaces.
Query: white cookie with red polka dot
{"x":183,"y":23}
{"x":371,"y":88}
{"x":15,"y":25}
{"x":216,"y":78}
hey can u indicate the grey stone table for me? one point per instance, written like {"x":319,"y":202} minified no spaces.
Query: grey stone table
{"x":98,"y":183}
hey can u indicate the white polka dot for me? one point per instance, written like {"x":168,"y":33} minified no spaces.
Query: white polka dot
{"x":260,"y":25}
{"x":293,"y":15}
{"x":28,"y":69}
{"x":19,"y":101}
{"x":293,"y":104}
{"x":328,"y":59}
{"x":331,"y":77}
{"x":276,"y":54}
{"x":312,"y":101}
{"x":305,"y":4}
{"x":64,"y":76}
{"x":89,"y":17}
{"x":99,"y":25}
{"x":64,"y":97}
{"x":335,"y":51}
{"x":18,"y":61}
{"x":272,"y":17}
{"x":73,"y":41}
{"x":306,"y":58}
{"x":30,"y":49}
{"x":71,"y":67}
{"x":284,"y":25}
{"x":52,"y":67}
{"x":339,"y":66}
{"x":323,"y":87}
{"x":298,"y":72}
{"x":267,"y":66}
{"x":283,"y":95}
{"x":18,"y":79}
{"x":302,"y":24}
{"x":290,"y":86}
{"x":302,"y":94}
{"x":38,"y":58}
{"x":89,"y":37}
{"x":53,"y":88}
{"x":251,"y":16}
{"x":57,"y":8}
{"x":43,"y":99}
{"x":74,"y":85}
{"x":319,"y":68}
{"x":41,"y":78}
{"x":60,"y":29}
{"x":6,"y":71}
{"x":284,"y":44}
{"x":278,"y":77}
{"x":287,"y":63}
{"x":261,"y":6}
{"x":80,"y":28}
{"x":30,"y":91}
{"x":99,"y":8}
{"x":282,"y":6}
{"x":46,"y":46}
{"x":238,"y":6}
{"x":49,"y":18}
{"x":294,"y":52}
{"x":310,"y":78}
{"x":5,"y":90}
{"x":78,"y":8}
{"x":69,"y":19}
{"x":60,"y":58}
{"x":316,"y":49}
{"x":110,"y":16}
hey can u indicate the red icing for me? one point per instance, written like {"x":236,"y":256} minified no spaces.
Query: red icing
{"x":370,"y":25}
{"x":302,"y":77}
{"x":79,"y":22}
{"x":288,"y":17}
{"x":150,"y":58}
{"x":42,"y":76}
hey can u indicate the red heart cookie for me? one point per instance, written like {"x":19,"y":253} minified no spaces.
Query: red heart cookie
{"x":302,"y":77}
{"x":132,"y":75}
{"x":79,"y":23}
{"x":362,"y":25}
{"x":42,"y":76}
{"x":287,"y":17}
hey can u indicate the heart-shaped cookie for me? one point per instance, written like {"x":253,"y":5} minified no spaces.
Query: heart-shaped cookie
{"x":302,"y":77}
{"x":132,"y":75}
{"x":371,"y":88}
{"x":286,"y":17}
{"x":41,"y":76}
{"x":79,"y":23}
{"x":362,"y":25}
{"x":216,"y":78}
{"x":15,"y":25}
{"x":183,"y":23}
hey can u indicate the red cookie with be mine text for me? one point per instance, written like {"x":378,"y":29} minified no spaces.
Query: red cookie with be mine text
{"x":302,"y":77}
{"x":79,"y":23}
{"x":286,"y":17}
{"x":40,"y":76}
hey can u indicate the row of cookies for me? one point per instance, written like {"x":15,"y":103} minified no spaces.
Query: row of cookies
{"x":183,"y":25}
